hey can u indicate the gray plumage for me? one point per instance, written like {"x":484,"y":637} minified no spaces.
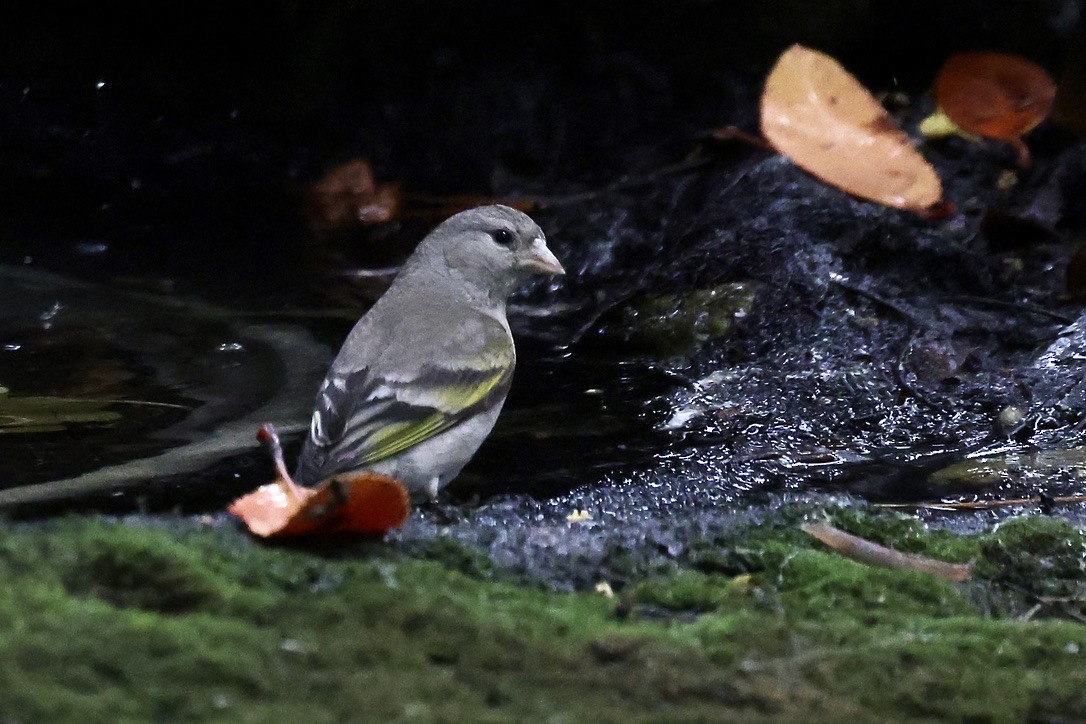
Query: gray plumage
{"x":420,"y":380}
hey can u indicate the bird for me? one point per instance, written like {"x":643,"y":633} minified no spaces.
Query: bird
{"x":421,"y":379}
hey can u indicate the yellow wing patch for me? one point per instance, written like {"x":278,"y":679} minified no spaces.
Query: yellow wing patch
{"x":393,"y":439}
{"x":455,"y":397}
{"x":450,"y":401}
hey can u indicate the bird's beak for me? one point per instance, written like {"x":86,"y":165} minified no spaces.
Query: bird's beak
{"x":538,"y":258}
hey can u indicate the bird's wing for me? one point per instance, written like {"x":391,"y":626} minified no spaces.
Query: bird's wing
{"x":362,"y":418}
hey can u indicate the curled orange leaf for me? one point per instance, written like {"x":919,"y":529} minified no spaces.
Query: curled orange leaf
{"x":369,"y":504}
{"x":817,"y":114}
{"x":995,"y":95}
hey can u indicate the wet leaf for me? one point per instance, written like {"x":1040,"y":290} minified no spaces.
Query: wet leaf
{"x":821,"y":117}
{"x":51,"y":414}
{"x":348,"y":195}
{"x":995,"y":95}
{"x":368,"y":504}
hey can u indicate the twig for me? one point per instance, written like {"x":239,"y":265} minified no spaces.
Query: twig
{"x":872,"y":554}
{"x":627,"y":181}
{"x":112,"y":401}
{"x":268,"y":437}
{"x":899,"y":367}
{"x":1031,"y":613}
{"x":735,"y":133}
{"x":1064,"y":604}
{"x":867,"y":294}
{"x":982,"y":504}
{"x":1024,"y":307}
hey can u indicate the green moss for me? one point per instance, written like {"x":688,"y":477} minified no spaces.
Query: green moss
{"x":1031,"y":550}
{"x":455,"y":556}
{"x":1038,"y":565}
{"x":104,"y":621}
{"x":690,"y":591}
{"x":141,"y":572}
{"x":676,"y":324}
{"x":824,"y":586}
{"x":905,"y":533}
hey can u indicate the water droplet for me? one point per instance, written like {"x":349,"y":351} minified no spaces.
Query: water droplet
{"x":51,"y":312}
{"x":91,"y":247}
{"x":100,"y":85}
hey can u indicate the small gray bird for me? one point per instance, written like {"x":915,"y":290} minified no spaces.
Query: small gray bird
{"x":421,"y":379}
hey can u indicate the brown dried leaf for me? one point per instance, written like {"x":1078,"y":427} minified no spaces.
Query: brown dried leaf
{"x":348,"y":195}
{"x":821,"y":117}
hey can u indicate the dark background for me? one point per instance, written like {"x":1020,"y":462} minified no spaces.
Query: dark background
{"x":174,"y":139}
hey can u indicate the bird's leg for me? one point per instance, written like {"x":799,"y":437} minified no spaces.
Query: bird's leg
{"x":268,"y":436}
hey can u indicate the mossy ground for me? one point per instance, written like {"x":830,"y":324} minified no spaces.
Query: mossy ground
{"x":106,"y":620}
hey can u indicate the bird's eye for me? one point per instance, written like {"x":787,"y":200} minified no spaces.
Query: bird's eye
{"x":504,"y":237}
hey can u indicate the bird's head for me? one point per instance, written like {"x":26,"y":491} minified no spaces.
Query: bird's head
{"x":493,"y":247}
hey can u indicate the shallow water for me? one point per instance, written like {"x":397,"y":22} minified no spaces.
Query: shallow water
{"x":163,"y":294}
{"x":117,"y":387}
{"x":192,"y":381}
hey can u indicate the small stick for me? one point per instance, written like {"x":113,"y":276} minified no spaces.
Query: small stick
{"x":877,"y":299}
{"x":872,"y":554}
{"x":735,"y":133}
{"x":982,"y":504}
{"x":1024,"y":307}
{"x":623,"y":183}
{"x":269,"y":438}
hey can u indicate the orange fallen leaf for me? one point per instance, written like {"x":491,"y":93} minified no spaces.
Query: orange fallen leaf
{"x":995,"y":95}
{"x":366,"y":503}
{"x":817,"y":114}
{"x":348,"y":195}
{"x":369,"y":504}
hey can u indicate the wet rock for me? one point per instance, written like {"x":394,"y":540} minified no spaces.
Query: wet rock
{"x":1047,"y":467}
{"x":1060,"y":391}
{"x":670,"y":325}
